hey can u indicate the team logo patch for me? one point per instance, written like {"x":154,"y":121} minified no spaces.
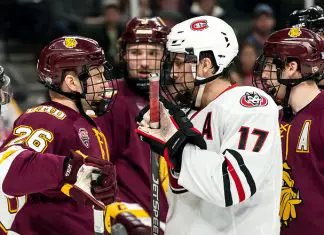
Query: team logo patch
{"x":84,"y":137}
{"x":70,"y":42}
{"x":253,"y":99}
{"x":294,"y":32}
{"x":199,"y":25}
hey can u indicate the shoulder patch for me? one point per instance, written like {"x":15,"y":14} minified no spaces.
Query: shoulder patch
{"x":253,"y":99}
{"x":84,"y":137}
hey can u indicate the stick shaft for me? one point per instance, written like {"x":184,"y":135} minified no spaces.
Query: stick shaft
{"x":155,"y":158}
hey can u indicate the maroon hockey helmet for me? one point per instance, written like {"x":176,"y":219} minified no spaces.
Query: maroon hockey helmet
{"x":291,"y":44}
{"x":145,"y":30}
{"x":78,"y":54}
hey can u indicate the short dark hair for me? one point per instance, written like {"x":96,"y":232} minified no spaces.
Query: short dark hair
{"x":209,"y":55}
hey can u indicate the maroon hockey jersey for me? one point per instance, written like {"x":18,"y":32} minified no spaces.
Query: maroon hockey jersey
{"x":51,"y":128}
{"x":302,"y":196}
{"x":130,"y":155}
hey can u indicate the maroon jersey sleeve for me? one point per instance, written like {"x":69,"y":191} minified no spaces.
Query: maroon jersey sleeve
{"x":29,"y":154}
{"x":130,"y":155}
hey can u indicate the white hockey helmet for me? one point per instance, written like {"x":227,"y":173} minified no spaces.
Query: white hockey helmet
{"x":204,"y":33}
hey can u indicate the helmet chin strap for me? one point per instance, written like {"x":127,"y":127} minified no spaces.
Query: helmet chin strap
{"x":202,"y":84}
{"x":201,"y":88}
{"x":200,"y":93}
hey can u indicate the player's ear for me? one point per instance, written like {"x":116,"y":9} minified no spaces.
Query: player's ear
{"x":71,"y":82}
{"x":207,"y":67}
{"x":292,"y":67}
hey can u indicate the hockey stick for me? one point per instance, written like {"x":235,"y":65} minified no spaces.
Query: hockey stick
{"x":155,"y":158}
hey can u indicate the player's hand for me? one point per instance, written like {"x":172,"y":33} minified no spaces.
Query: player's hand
{"x":104,"y":185}
{"x":78,"y":169}
{"x":132,"y":224}
{"x":174,"y":133}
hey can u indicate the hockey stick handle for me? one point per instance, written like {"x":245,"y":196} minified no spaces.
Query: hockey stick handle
{"x":154,"y":100}
{"x":155,"y":158}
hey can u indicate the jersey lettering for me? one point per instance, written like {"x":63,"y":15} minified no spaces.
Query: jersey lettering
{"x":262,"y":136}
{"x":48,"y":109}
{"x":303,"y":140}
{"x":36,"y":139}
{"x":207,"y":130}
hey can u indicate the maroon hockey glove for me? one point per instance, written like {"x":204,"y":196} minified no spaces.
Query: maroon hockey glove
{"x":104,"y":187}
{"x":132,"y":224}
{"x":78,"y":169}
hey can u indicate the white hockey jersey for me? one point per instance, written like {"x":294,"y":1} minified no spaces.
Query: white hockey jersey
{"x":233,"y":187}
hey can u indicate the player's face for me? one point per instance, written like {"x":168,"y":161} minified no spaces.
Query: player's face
{"x":181,"y":74}
{"x":270,"y":81}
{"x":97,"y":85}
{"x":143,"y":59}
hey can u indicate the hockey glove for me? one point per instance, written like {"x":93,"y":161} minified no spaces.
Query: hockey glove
{"x":174,"y":133}
{"x":78,"y":169}
{"x":132,"y":224}
{"x":104,"y":187}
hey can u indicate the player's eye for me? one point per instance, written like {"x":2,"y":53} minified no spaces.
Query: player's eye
{"x":178,"y":63}
{"x":136,"y":52}
{"x":153,"y":53}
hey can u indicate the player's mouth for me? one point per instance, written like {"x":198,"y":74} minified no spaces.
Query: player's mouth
{"x":143,"y":73}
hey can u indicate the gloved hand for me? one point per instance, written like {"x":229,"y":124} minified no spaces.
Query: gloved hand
{"x":104,"y":185}
{"x":132,"y":224}
{"x":175,"y":131}
{"x":78,"y":169}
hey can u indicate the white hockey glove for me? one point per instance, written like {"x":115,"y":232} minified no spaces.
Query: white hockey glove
{"x":174,"y":133}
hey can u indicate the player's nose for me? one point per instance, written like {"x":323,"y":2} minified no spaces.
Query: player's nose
{"x":143,"y":61}
{"x":174,"y":75}
{"x":265,"y":75}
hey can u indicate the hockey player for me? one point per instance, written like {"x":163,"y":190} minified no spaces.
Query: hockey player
{"x":291,"y":65}
{"x":225,"y":164}
{"x":141,"y":50}
{"x":54,"y":147}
